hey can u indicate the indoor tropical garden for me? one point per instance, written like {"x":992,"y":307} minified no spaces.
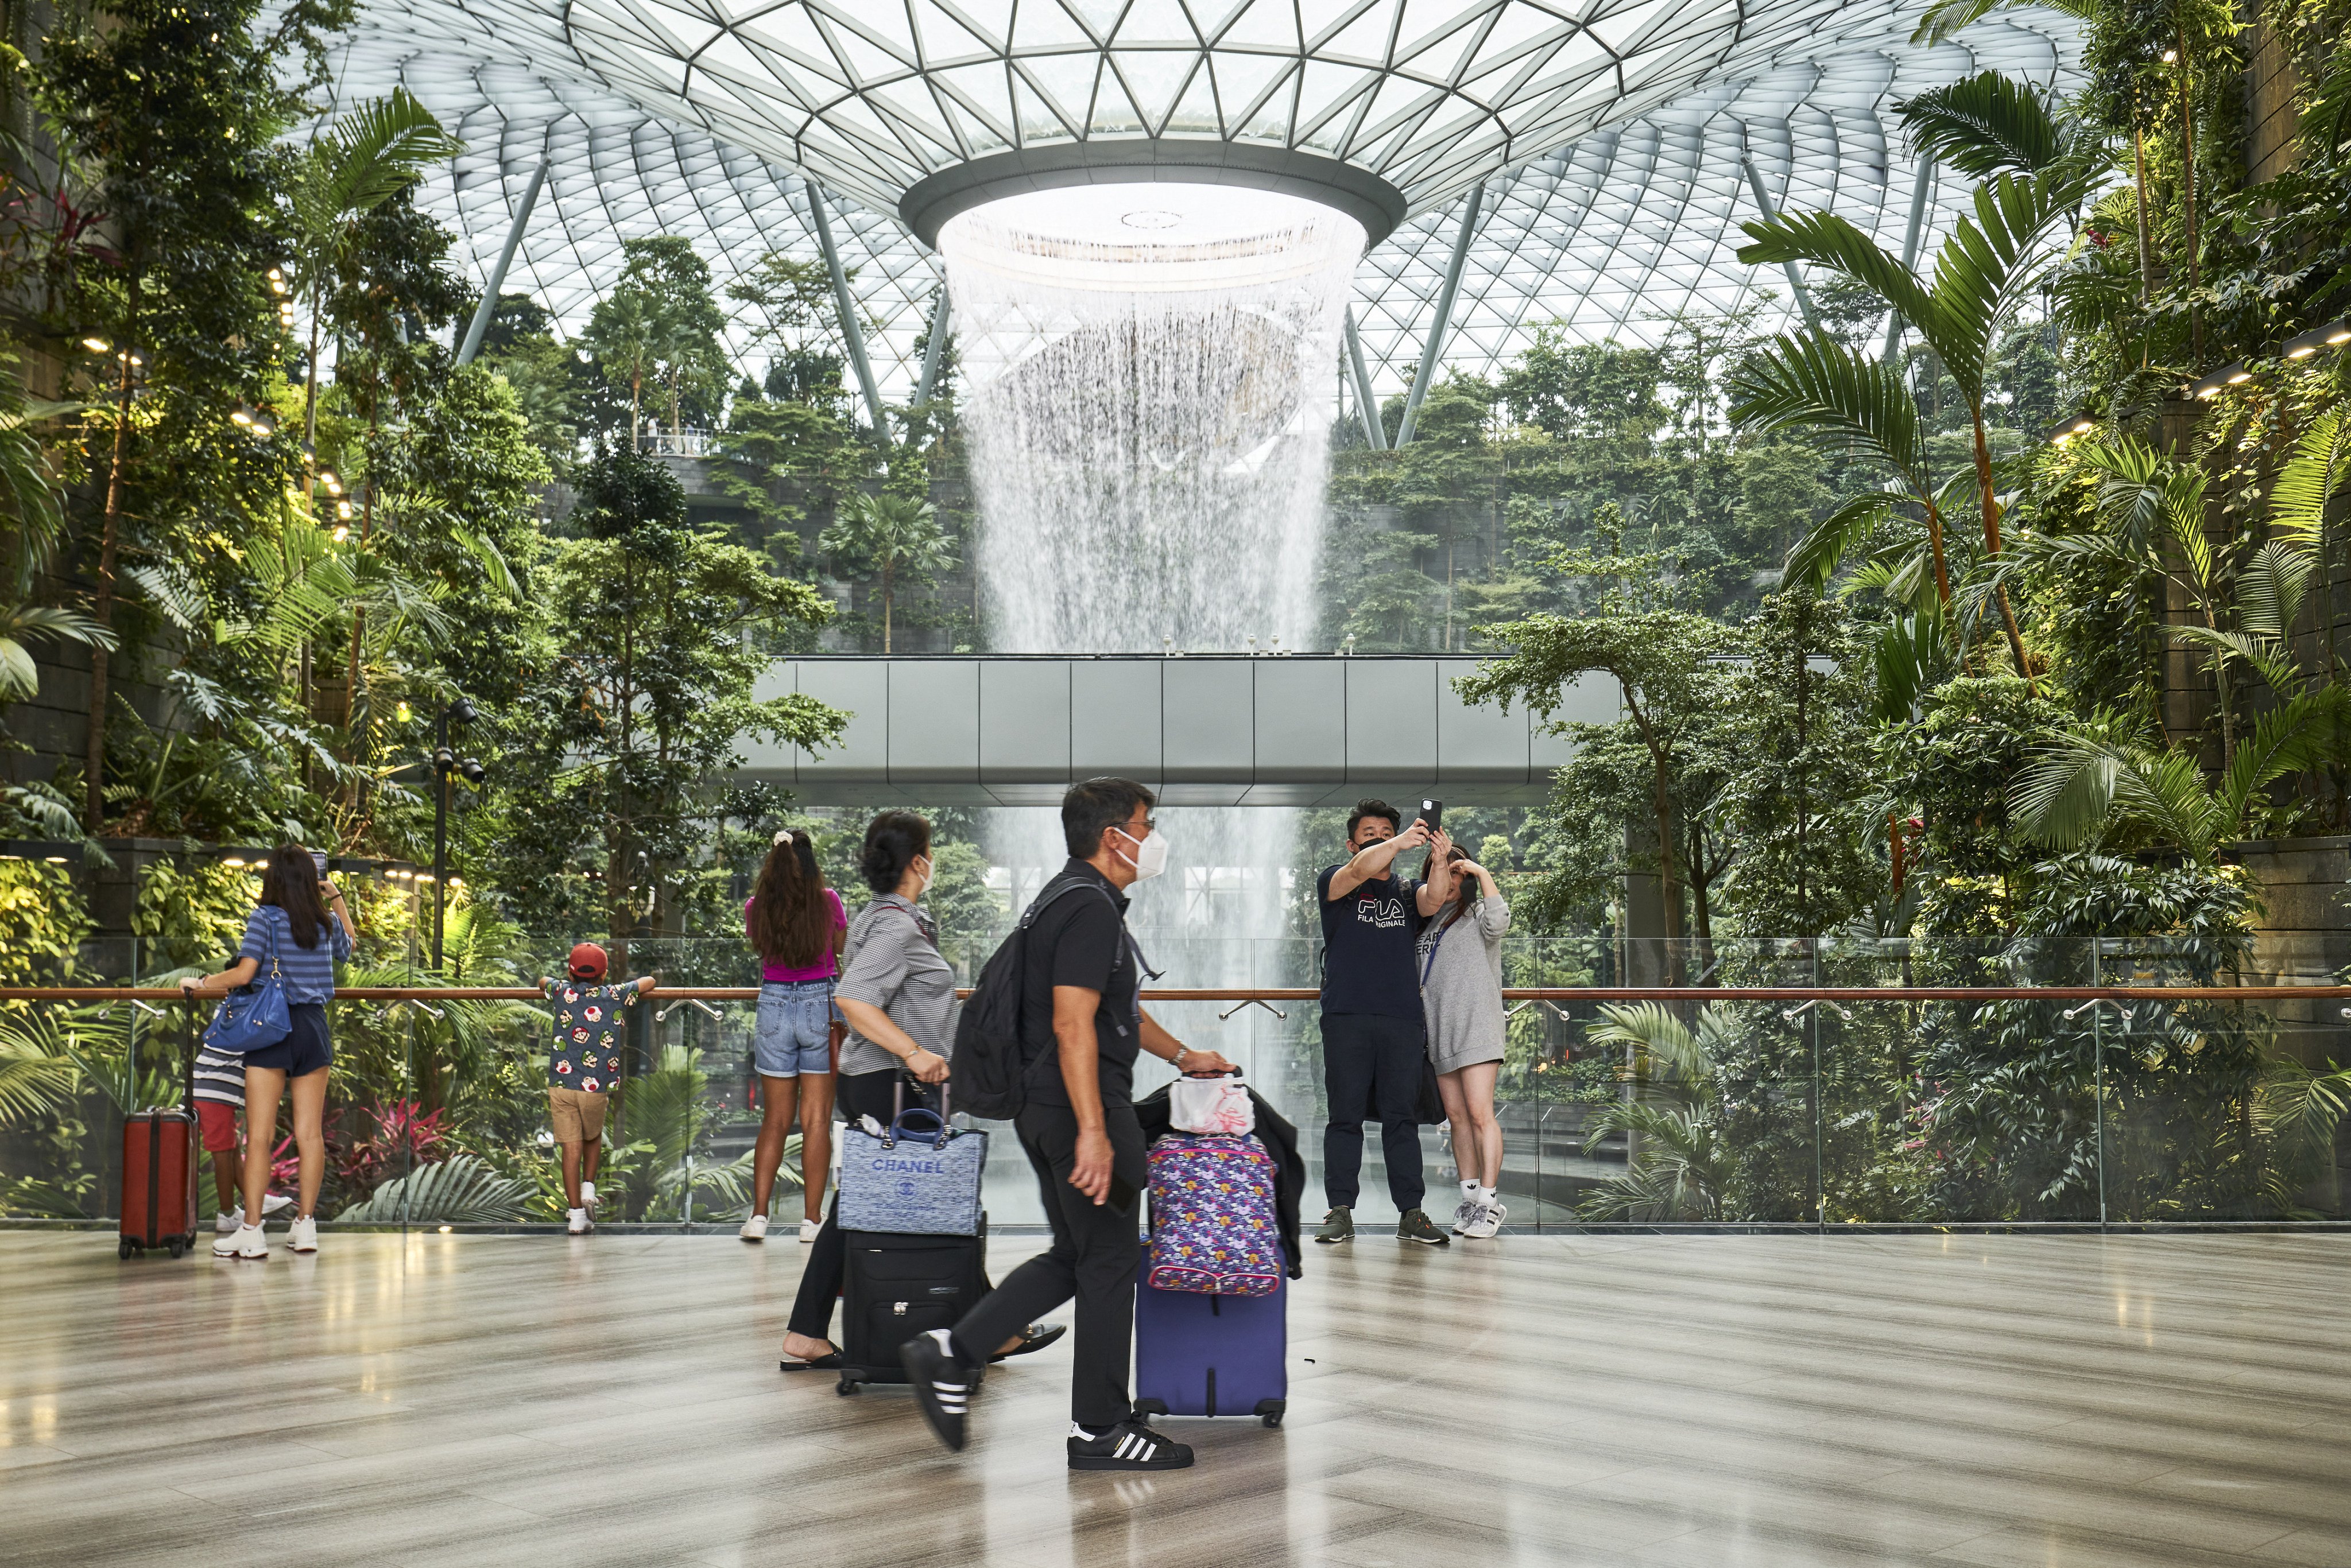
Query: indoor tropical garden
{"x":1971,"y":607}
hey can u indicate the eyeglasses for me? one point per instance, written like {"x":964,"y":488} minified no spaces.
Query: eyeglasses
{"x":1150,"y":826}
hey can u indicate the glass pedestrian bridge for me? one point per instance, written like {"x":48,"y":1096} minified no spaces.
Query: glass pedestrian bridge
{"x":1200,"y":729}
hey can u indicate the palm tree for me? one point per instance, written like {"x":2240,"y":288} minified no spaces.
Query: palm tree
{"x":626,"y":333}
{"x":364,"y":159}
{"x":891,"y":539}
{"x":1675,"y":1163}
{"x":1989,"y":266}
{"x":2101,"y":786}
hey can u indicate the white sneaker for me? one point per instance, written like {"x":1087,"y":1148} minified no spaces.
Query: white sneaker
{"x":304,"y":1235}
{"x":1487,"y":1221}
{"x":578,"y":1223}
{"x":587,"y":1195}
{"x":228,"y":1221}
{"x":809,"y":1227}
{"x":248,"y":1243}
{"x":1466,"y":1209}
{"x":755,"y":1228}
{"x":271,"y":1203}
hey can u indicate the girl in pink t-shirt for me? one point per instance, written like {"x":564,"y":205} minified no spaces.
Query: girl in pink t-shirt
{"x":796,"y":924}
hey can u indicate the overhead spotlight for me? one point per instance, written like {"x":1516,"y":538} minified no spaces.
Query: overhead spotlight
{"x":2171,"y":57}
{"x":343,"y":511}
{"x":340,"y":535}
{"x":2069,"y":427}
{"x":263,"y":427}
{"x":238,"y":416}
{"x":96,"y":345}
{"x":2304,"y":345}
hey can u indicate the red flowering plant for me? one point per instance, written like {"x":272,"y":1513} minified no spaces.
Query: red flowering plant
{"x":403,"y":1137}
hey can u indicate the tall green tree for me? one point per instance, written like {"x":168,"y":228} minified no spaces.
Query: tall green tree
{"x":659,"y":631}
{"x":892,"y":542}
{"x":174,"y":108}
{"x":362,"y":160}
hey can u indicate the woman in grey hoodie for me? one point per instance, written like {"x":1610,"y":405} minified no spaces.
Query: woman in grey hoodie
{"x":1461,"y":999}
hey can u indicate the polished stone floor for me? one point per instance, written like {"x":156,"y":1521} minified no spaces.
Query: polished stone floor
{"x":2120,"y":1402}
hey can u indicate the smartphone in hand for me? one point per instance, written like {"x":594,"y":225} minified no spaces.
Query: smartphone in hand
{"x":318,"y":859}
{"x":1432,"y":812}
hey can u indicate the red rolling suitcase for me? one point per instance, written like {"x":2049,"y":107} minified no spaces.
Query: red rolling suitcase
{"x":159,"y":1173}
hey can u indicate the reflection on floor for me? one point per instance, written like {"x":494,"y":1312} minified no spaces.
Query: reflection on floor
{"x":1705,"y":1400}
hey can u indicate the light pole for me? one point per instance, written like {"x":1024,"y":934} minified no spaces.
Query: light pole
{"x":444,"y":762}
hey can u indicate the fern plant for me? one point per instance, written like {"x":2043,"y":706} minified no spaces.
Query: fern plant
{"x":459,"y":1190}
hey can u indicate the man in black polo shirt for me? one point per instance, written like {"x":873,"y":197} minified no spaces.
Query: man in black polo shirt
{"x":1372,"y":1034}
{"x":1082,"y":1024}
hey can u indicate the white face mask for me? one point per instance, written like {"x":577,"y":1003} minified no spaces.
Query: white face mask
{"x":929,"y":871}
{"x":1150,"y":857}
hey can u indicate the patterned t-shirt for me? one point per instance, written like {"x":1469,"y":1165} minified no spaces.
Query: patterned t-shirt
{"x":589,"y":1036}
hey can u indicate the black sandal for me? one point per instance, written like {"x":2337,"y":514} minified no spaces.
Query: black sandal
{"x":829,"y":1362}
{"x":1035,"y":1336}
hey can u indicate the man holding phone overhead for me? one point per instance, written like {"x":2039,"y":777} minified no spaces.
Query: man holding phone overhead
{"x":1372,"y":1024}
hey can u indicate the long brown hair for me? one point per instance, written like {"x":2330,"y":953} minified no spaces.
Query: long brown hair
{"x":791,"y":920}
{"x":292,"y":884}
{"x":1464,"y":892}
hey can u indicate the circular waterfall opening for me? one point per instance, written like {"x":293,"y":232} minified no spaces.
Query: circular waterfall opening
{"x":1148,"y":369}
{"x":1148,"y":373}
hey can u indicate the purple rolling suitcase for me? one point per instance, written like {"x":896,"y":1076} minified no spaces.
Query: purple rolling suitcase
{"x":1211,"y":1355}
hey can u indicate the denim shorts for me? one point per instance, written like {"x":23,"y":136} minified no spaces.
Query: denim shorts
{"x":306,"y":1050}
{"x":794,"y":1033}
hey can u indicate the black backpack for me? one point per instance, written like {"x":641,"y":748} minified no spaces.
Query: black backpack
{"x":990,"y":1063}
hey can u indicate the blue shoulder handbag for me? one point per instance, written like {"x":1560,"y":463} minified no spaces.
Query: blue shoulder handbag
{"x":920,"y":1177}
{"x":256,"y":1018}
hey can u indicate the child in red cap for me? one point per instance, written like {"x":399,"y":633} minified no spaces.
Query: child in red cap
{"x":582,"y":1069}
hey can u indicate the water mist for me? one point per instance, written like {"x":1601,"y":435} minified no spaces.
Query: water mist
{"x":1147,"y":370}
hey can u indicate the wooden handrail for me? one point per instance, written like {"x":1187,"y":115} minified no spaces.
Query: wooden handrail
{"x":111,"y":993}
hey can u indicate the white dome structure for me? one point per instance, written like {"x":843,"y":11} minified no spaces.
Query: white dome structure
{"x":1603,"y":140}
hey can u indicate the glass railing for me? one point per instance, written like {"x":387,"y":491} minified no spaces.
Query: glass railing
{"x":1810,"y":1108}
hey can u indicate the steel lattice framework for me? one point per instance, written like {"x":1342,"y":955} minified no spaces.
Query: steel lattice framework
{"x":1607,"y":136}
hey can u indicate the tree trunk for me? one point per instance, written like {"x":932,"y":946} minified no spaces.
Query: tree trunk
{"x":2146,"y":235}
{"x":1669,"y":883}
{"x":358,"y":635}
{"x":310,"y":397}
{"x":636,"y":397}
{"x":1991,"y":543}
{"x":103,"y":602}
{"x":2188,"y":193}
{"x":885,"y":612}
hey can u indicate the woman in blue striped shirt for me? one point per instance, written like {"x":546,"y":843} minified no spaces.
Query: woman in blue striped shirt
{"x":292,"y":931}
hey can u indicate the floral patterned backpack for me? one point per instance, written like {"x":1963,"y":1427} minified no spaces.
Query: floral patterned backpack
{"x":1214,"y":1231}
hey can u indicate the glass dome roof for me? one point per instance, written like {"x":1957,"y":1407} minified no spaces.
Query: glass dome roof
{"x":1600,"y":211}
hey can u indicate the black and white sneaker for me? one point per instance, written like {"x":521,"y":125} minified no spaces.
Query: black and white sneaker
{"x":942,"y":1386}
{"x":1129,"y":1446}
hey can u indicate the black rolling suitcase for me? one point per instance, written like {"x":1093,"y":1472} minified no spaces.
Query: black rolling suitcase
{"x":895,"y":1287}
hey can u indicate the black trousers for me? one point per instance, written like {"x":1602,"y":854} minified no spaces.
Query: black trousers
{"x":1371,"y":1071}
{"x":857,"y":1094}
{"x":1096,"y":1249}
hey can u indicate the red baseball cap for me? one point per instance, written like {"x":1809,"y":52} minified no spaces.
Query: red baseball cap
{"x":588,"y":961}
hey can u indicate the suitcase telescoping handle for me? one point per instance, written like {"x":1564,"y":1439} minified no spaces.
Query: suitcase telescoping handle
{"x":188,"y":1082}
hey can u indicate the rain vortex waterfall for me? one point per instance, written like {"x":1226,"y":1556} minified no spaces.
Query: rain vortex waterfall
{"x":1147,"y":370}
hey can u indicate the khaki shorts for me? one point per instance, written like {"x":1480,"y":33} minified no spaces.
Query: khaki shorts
{"x":578,"y":1116}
